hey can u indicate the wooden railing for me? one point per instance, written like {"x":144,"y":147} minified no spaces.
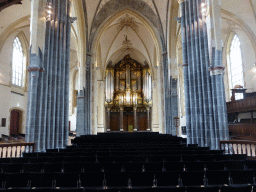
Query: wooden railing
{"x":15,"y":149}
{"x":239,"y":147}
{"x":243,"y":105}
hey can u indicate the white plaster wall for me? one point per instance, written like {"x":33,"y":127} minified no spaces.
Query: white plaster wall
{"x":9,"y":101}
{"x":72,"y":119}
{"x":13,"y":13}
{"x":242,"y":9}
{"x":248,"y":57}
{"x":5,"y":60}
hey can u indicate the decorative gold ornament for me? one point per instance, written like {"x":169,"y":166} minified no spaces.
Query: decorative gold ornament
{"x":127,"y":21}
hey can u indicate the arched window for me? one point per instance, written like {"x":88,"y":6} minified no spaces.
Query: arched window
{"x":236,"y":65}
{"x":17,"y":63}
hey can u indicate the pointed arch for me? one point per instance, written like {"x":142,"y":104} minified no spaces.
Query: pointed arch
{"x":19,"y":60}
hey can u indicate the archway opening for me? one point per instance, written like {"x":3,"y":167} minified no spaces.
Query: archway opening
{"x":126,"y":33}
{"x":128,"y":95}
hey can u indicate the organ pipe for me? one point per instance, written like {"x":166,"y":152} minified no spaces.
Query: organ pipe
{"x":147,"y":87}
{"x":109,"y":87}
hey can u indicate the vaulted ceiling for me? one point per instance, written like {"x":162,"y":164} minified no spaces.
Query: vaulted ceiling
{"x":7,"y":3}
{"x":127,"y":33}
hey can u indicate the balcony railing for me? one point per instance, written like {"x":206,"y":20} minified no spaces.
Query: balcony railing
{"x":239,"y":147}
{"x":243,"y":105}
{"x":9,"y":150}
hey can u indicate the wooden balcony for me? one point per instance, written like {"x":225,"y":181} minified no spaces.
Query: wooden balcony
{"x":242,"y":131}
{"x":243,"y":105}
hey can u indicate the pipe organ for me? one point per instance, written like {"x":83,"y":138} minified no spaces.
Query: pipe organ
{"x":128,"y":89}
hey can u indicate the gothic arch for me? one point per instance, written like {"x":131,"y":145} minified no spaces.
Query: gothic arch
{"x":98,"y":75}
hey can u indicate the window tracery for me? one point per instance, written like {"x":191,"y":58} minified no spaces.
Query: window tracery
{"x":17,"y":63}
{"x":236,"y":65}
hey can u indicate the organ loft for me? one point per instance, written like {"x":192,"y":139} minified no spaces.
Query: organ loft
{"x":128,"y":96}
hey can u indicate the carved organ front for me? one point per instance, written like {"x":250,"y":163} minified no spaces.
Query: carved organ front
{"x":128,"y":95}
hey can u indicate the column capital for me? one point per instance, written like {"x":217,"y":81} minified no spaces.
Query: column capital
{"x":180,"y":1}
{"x":30,"y":69}
{"x":73,"y":19}
{"x":219,"y":70}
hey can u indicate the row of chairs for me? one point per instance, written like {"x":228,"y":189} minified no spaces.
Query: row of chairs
{"x":123,"y":179}
{"x":125,"y":161}
{"x":125,"y":166}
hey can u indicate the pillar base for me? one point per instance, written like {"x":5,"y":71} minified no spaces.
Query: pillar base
{"x":134,"y":130}
{"x":121,"y":130}
{"x":108,"y":130}
{"x":148,"y":129}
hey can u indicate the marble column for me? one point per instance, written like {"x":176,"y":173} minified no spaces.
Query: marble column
{"x":48,"y":102}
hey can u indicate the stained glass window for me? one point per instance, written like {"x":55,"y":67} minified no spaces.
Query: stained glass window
{"x":236,"y":65}
{"x":17,"y":63}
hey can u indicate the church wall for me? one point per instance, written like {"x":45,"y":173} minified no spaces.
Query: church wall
{"x":13,"y":14}
{"x":241,"y":9}
{"x":9,"y":100}
{"x":13,"y":25}
{"x":248,"y":57}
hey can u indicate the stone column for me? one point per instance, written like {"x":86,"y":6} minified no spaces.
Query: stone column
{"x":148,"y":119}
{"x":174,"y":104}
{"x":185,"y":68}
{"x":121,"y":119}
{"x":135,"y":118}
{"x":166,"y":85}
{"x":108,"y":120}
{"x":48,"y":102}
{"x":80,"y":117}
{"x":204,"y":90}
{"x":213,"y":22}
